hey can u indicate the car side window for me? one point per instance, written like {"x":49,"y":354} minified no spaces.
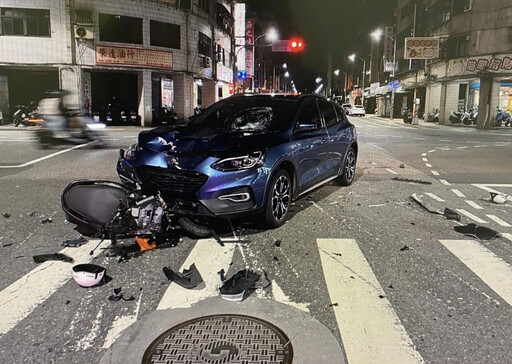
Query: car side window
{"x":329,"y":113}
{"x":310,"y":115}
{"x":340,"y":112}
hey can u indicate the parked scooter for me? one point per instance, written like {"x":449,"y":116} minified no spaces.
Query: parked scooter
{"x":25,"y":115}
{"x":473,"y":114}
{"x":433,"y":116}
{"x":165,"y":115}
{"x":502,"y":117}
{"x":407,"y":116}
{"x":455,"y":117}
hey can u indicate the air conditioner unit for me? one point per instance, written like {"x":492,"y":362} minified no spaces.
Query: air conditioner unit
{"x":206,"y":62}
{"x":82,"y":32}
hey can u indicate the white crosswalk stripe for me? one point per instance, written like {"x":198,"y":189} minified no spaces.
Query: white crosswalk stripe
{"x":491,"y":269}
{"x":370,"y":329}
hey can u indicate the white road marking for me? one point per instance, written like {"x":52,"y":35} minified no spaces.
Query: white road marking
{"x":480,"y":146}
{"x":471,"y":216}
{"x":46,"y":157}
{"x":445,"y":182}
{"x":432,"y":151}
{"x":491,"y":269}
{"x":391,"y":171}
{"x":119,"y":324}
{"x":474,"y":205}
{"x":428,"y":165}
{"x":423,"y":154}
{"x":370,"y":328}
{"x":87,"y":341}
{"x":444,"y":140}
{"x":209,"y":257}
{"x":472,"y":142}
{"x":418,"y":138}
{"x":424,"y":159}
{"x":445,"y":148}
{"x":435,"y":173}
{"x":488,"y":187}
{"x":507,"y":235}
{"x":434,"y":197}
{"x":458,"y":193}
{"x":19,"y":299}
{"x":464,"y":147}
{"x":498,"y":220}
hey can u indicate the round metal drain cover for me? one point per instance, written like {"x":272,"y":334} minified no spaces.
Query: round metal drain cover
{"x":216,"y":339}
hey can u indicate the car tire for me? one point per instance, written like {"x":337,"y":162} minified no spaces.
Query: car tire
{"x":348,"y":172}
{"x":279,"y":198}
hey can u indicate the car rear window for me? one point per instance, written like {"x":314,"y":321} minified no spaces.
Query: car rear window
{"x":248,"y":114}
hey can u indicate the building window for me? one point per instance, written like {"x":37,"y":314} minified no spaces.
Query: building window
{"x":185,"y":4}
{"x":205,"y":45}
{"x":165,"y":34}
{"x":439,"y":13}
{"x":25,"y":22}
{"x":461,"y":6}
{"x":458,"y":46}
{"x":122,"y":29}
{"x":204,"y":5}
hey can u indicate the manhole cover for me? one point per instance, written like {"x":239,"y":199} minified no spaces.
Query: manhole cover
{"x":220,"y":339}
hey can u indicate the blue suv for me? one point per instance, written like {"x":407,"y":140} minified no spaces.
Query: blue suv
{"x":247,"y":154}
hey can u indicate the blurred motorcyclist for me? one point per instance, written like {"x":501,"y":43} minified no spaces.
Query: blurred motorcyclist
{"x":53,"y":110}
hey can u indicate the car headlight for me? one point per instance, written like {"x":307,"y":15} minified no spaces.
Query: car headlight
{"x":129,"y":154}
{"x":251,"y":160}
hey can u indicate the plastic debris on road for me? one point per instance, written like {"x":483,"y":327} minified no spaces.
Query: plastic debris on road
{"x":478,"y":232}
{"x":41,"y":258}
{"x":190,"y":278}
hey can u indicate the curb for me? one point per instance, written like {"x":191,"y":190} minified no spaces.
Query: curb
{"x":312,"y":341}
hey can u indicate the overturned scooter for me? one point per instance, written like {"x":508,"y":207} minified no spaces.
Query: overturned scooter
{"x":110,"y":210}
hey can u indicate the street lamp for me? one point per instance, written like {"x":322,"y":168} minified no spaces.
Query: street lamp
{"x":274,"y":75}
{"x":352,"y":58}
{"x":376,"y":34}
{"x":271,"y":35}
{"x":337,"y":73}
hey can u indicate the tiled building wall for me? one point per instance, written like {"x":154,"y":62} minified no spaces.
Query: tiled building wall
{"x":37,"y":50}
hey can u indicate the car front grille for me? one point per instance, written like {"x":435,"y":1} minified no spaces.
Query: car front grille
{"x":170,"y":181}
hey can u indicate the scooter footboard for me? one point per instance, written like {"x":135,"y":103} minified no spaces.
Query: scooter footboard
{"x":93,"y":204}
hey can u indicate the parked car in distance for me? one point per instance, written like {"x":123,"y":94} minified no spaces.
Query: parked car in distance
{"x":357,"y":110}
{"x":347,"y":108}
{"x":245,"y":155}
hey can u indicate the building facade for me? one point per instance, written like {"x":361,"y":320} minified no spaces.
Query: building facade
{"x":474,"y":66}
{"x":132,"y":54}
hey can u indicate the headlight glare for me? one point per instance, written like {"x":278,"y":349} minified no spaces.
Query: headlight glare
{"x":251,"y":160}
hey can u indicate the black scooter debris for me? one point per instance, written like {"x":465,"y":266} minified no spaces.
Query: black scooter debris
{"x":239,"y":285}
{"x":478,"y":232}
{"x":41,"y":258}
{"x":190,"y":278}
{"x":74,"y":243}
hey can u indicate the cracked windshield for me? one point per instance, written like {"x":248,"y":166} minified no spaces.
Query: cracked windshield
{"x":256,"y":181}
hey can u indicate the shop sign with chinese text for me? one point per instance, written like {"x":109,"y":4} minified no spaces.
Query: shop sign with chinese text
{"x":128,"y":56}
{"x":421,"y":47}
{"x":481,"y":64}
{"x":224,"y":73}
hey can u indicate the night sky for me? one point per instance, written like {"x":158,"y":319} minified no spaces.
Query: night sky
{"x":336,"y":27}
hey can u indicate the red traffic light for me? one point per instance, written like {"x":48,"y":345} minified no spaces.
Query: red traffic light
{"x":296,"y":45}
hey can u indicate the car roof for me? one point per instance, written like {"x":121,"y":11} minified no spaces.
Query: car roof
{"x":294,"y":97}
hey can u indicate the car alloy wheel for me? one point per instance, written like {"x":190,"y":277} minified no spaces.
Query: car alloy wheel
{"x":279,"y":198}
{"x":349,"y":169}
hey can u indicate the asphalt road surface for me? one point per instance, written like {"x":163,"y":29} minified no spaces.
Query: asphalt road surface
{"x":391,"y":281}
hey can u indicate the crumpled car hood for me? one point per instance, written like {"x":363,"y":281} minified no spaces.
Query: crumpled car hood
{"x":192,"y":146}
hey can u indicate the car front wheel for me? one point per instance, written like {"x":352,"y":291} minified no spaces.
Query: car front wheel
{"x":349,"y":169}
{"x":278,"y":199}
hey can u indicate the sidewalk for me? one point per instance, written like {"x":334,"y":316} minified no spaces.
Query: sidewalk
{"x":431,"y":125}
